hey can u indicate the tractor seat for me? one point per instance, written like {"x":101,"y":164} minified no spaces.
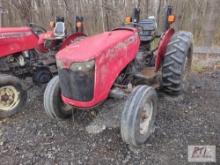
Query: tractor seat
{"x":59,"y":30}
{"x":149,"y":27}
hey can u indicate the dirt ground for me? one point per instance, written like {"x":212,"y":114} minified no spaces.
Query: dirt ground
{"x":193,"y":118}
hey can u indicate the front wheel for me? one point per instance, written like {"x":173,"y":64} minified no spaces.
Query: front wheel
{"x":53,"y":104}
{"x":138,"y":116}
{"x":12,"y":95}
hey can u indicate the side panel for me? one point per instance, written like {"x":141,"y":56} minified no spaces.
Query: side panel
{"x":108,"y":67}
{"x":162,"y":47}
{"x":113,"y":62}
{"x":13,"y":40}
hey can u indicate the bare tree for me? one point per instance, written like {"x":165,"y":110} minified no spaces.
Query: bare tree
{"x":200,"y":17}
{"x":1,"y":13}
{"x":210,"y":26}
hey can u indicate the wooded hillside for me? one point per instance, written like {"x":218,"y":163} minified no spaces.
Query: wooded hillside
{"x":198,"y":16}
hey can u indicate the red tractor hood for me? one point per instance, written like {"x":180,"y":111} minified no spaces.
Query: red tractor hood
{"x":92,"y":47}
{"x":15,"y":40}
{"x":112,"y":51}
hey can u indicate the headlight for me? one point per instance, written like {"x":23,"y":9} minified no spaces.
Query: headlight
{"x":83,"y":66}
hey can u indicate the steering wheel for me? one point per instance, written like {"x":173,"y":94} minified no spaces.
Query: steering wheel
{"x":138,"y":25}
{"x":37,"y":29}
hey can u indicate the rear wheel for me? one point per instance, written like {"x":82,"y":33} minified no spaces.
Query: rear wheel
{"x":53,"y":104}
{"x":138,"y":116}
{"x":177,"y":63}
{"x":42,"y":75}
{"x":12,"y":95}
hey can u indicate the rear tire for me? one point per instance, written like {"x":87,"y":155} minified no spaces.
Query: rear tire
{"x":53,"y":104}
{"x":42,"y":75}
{"x":138,"y":116}
{"x":177,"y":63}
{"x":12,"y":95}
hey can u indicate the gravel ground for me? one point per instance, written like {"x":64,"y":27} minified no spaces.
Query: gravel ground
{"x":31,"y":137}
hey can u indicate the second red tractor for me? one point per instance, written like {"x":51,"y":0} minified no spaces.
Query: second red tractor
{"x":28,"y":52}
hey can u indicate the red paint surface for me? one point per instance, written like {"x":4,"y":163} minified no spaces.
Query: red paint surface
{"x":40,"y":45}
{"x":112,"y":52}
{"x":162,"y":47}
{"x":71,"y":39}
{"x":14,"y":40}
{"x":49,"y":34}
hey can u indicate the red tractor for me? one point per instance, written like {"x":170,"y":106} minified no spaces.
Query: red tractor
{"x":121,"y":63}
{"x":28,"y":51}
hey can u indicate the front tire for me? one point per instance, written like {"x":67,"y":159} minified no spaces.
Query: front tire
{"x":12,"y":95}
{"x":53,"y":104}
{"x":177,"y":63}
{"x":138,"y":116}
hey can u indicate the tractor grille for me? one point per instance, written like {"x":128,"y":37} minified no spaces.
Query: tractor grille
{"x":77,"y":85}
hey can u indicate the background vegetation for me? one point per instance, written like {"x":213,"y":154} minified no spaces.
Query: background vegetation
{"x":202,"y":17}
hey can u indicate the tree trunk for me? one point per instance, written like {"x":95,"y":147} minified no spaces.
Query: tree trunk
{"x":1,"y":7}
{"x":102,"y":14}
{"x":209,"y":26}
